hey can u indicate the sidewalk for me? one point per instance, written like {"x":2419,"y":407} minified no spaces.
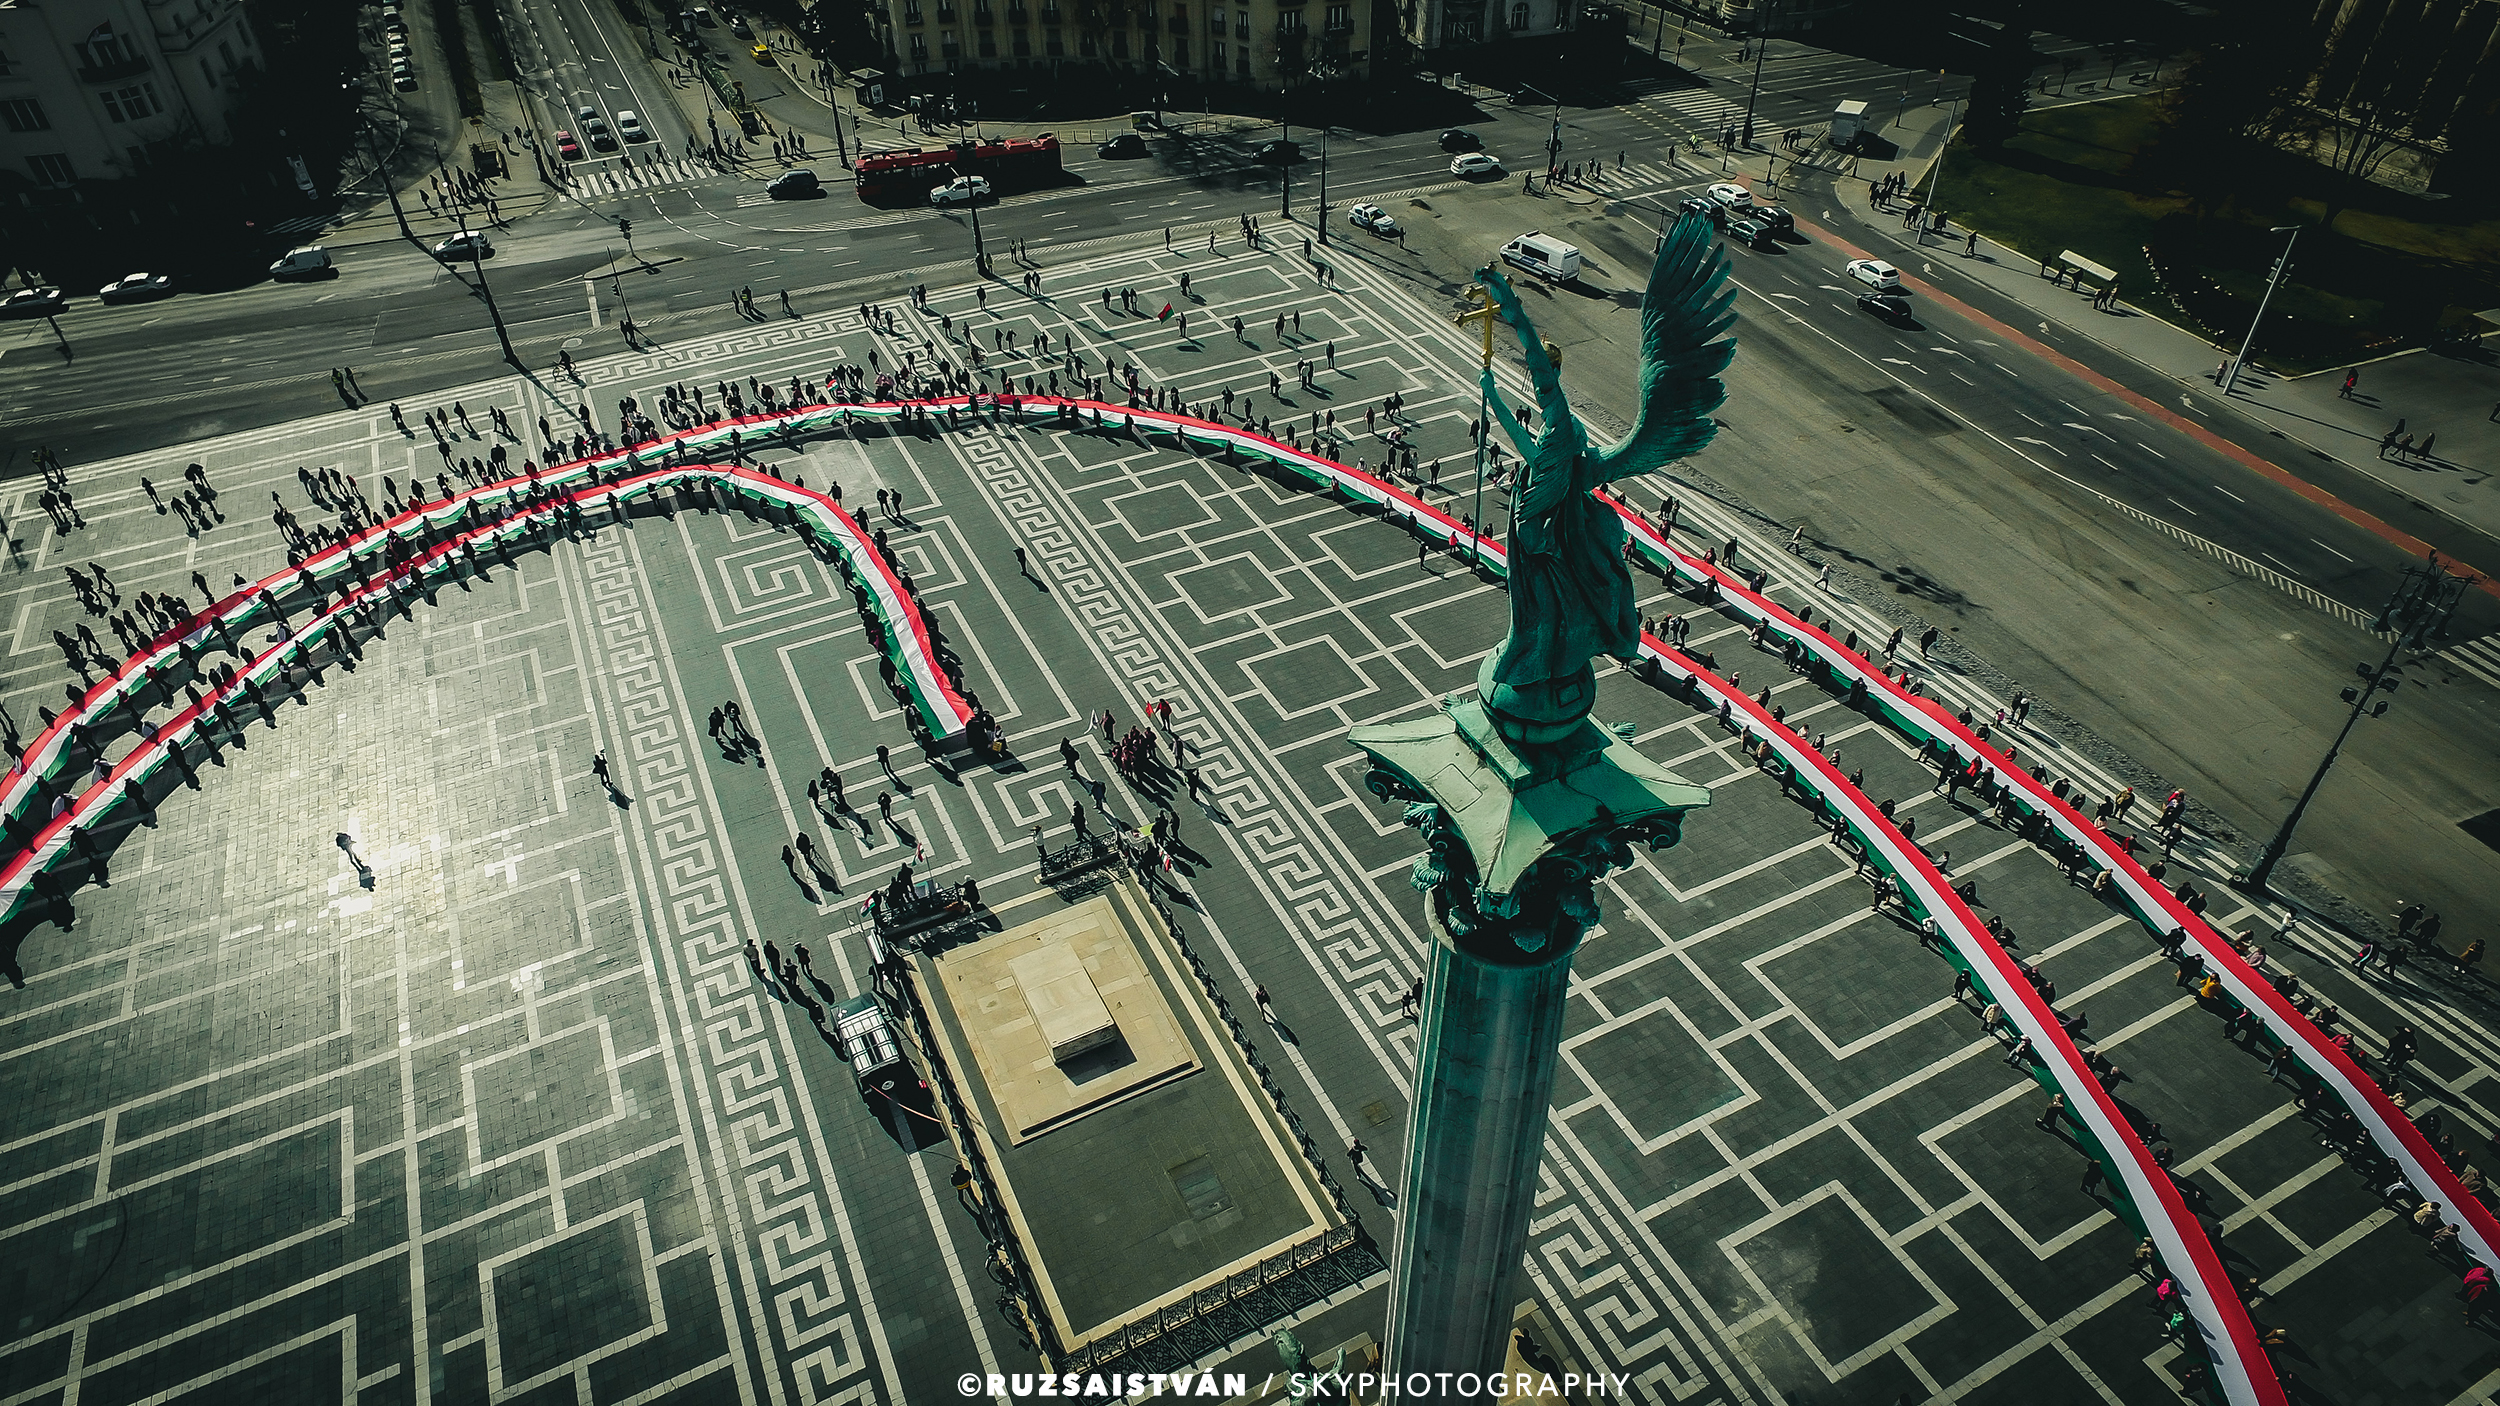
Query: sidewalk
{"x":2454,"y":397}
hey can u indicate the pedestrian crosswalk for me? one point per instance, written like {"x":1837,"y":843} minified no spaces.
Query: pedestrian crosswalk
{"x":299,"y":224}
{"x":1704,"y":107}
{"x":642,"y":175}
{"x":2479,"y":657}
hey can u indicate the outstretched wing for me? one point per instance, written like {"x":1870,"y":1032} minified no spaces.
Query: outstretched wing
{"x":1684,"y":317}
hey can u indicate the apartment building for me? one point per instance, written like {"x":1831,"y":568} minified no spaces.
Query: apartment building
{"x":1448,"y":25}
{"x":1265,"y":44}
{"x":108,"y":89}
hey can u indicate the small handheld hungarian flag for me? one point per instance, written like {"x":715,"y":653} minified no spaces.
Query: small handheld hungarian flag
{"x":1165,"y":315}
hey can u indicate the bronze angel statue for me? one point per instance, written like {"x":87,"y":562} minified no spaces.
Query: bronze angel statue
{"x":1570,"y":592}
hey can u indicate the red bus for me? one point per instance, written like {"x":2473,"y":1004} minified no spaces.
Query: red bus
{"x":908,"y":173}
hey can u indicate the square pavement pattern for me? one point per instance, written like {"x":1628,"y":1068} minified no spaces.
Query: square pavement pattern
{"x":514,"y":1120}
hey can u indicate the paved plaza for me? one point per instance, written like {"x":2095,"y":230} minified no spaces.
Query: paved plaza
{"x":511,"y":1119}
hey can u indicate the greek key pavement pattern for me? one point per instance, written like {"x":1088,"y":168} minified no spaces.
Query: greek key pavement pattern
{"x":517,"y":1121}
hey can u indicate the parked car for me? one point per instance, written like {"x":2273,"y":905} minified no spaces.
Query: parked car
{"x":1122,"y":147}
{"x":1460,"y":139}
{"x":33,"y":302}
{"x":568,"y":148}
{"x":1876,"y":274}
{"x":1888,"y":306}
{"x":795,"y":185}
{"x":465,"y":244}
{"x":738,"y":25}
{"x":1375,"y":219}
{"x":1278,"y":153}
{"x":136,"y":288}
{"x":629,"y":126}
{"x":404,"y":79}
{"x":1730,"y":195}
{"x":963,"y":190}
{"x":1475,"y":163}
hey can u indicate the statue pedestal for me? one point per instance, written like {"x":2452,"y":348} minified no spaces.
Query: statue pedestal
{"x":1517,"y":834}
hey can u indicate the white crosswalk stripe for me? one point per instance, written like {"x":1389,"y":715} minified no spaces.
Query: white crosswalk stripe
{"x":644,"y":175}
{"x":1699,"y":105}
{"x":300,"y":222}
{"x":2479,"y":657}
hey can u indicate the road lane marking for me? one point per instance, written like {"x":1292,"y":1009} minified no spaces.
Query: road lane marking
{"x":2150,"y":450}
{"x":2234,"y":497}
{"x":2339,"y":555}
{"x":2191,"y":512}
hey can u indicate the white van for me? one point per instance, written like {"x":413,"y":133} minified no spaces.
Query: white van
{"x":311,"y":261}
{"x":1545,"y":256}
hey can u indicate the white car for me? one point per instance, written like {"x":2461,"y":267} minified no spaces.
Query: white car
{"x":1730,"y":195}
{"x":463,"y":245}
{"x":1876,"y":274}
{"x":1375,"y":219}
{"x":629,"y":126}
{"x":136,"y":287}
{"x":1474,"y":163}
{"x":962,"y":190}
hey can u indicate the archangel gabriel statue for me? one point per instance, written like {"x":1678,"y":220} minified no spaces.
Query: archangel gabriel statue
{"x":1570,"y":592}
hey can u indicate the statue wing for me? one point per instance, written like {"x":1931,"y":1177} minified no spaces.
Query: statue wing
{"x":1684,"y":317}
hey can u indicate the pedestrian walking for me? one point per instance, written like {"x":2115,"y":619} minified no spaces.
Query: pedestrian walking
{"x":2054,"y":1116}
{"x":1267,"y":1008}
{"x":1354,"y":1153}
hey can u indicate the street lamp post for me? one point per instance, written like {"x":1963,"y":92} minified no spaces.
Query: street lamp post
{"x":2422,"y":605}
{"x":1322,"y":221}
{"x":1284,"y":174}
{"x":1935,"y":181}
{"x":2281,"y":266}
{"x":1761,"y":45}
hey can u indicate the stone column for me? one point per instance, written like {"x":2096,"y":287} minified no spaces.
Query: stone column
{"x":1475,"y":1137}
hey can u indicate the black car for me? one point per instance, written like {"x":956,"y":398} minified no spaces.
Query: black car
{"x":1695,"y":205}
{"x":1460,"y":139}
{"x":1886,"y":306}
{"x":1279,"y":153}
{"x":794,"y":185}
{"x":1122,"y":147}
{"x":33,"y":302}
{"x":1775,"y":219}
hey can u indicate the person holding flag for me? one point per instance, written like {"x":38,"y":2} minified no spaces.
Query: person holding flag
{"x":1165,"y":315}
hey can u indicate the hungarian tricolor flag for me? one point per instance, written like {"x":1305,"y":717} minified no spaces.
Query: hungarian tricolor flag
{"x":1165,"y":315}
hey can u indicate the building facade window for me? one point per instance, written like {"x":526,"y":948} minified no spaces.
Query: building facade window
{"x":1024,"y":44}
{"x":104,"y":48}
{"x":911,"y":13}
{"x":24,"y":115}
{"x":1215,"y":21}
{"x":920,"y":48}
{"x":1180,"y":52}
{"x":1340,"y":18}
{"x":1289,"y":21}
{"x":1241,"y":65}
{"x":133,"y":103}
{"x":1119,"y":43}
{"x":1519,"y":16}
{"x":989,"y":45}
{"x":1052,"y":47}
{"x":949,"y":46}
{"x":53,"y":170}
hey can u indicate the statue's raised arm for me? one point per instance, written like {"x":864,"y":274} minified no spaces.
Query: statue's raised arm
{"x":1570,"y":593}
